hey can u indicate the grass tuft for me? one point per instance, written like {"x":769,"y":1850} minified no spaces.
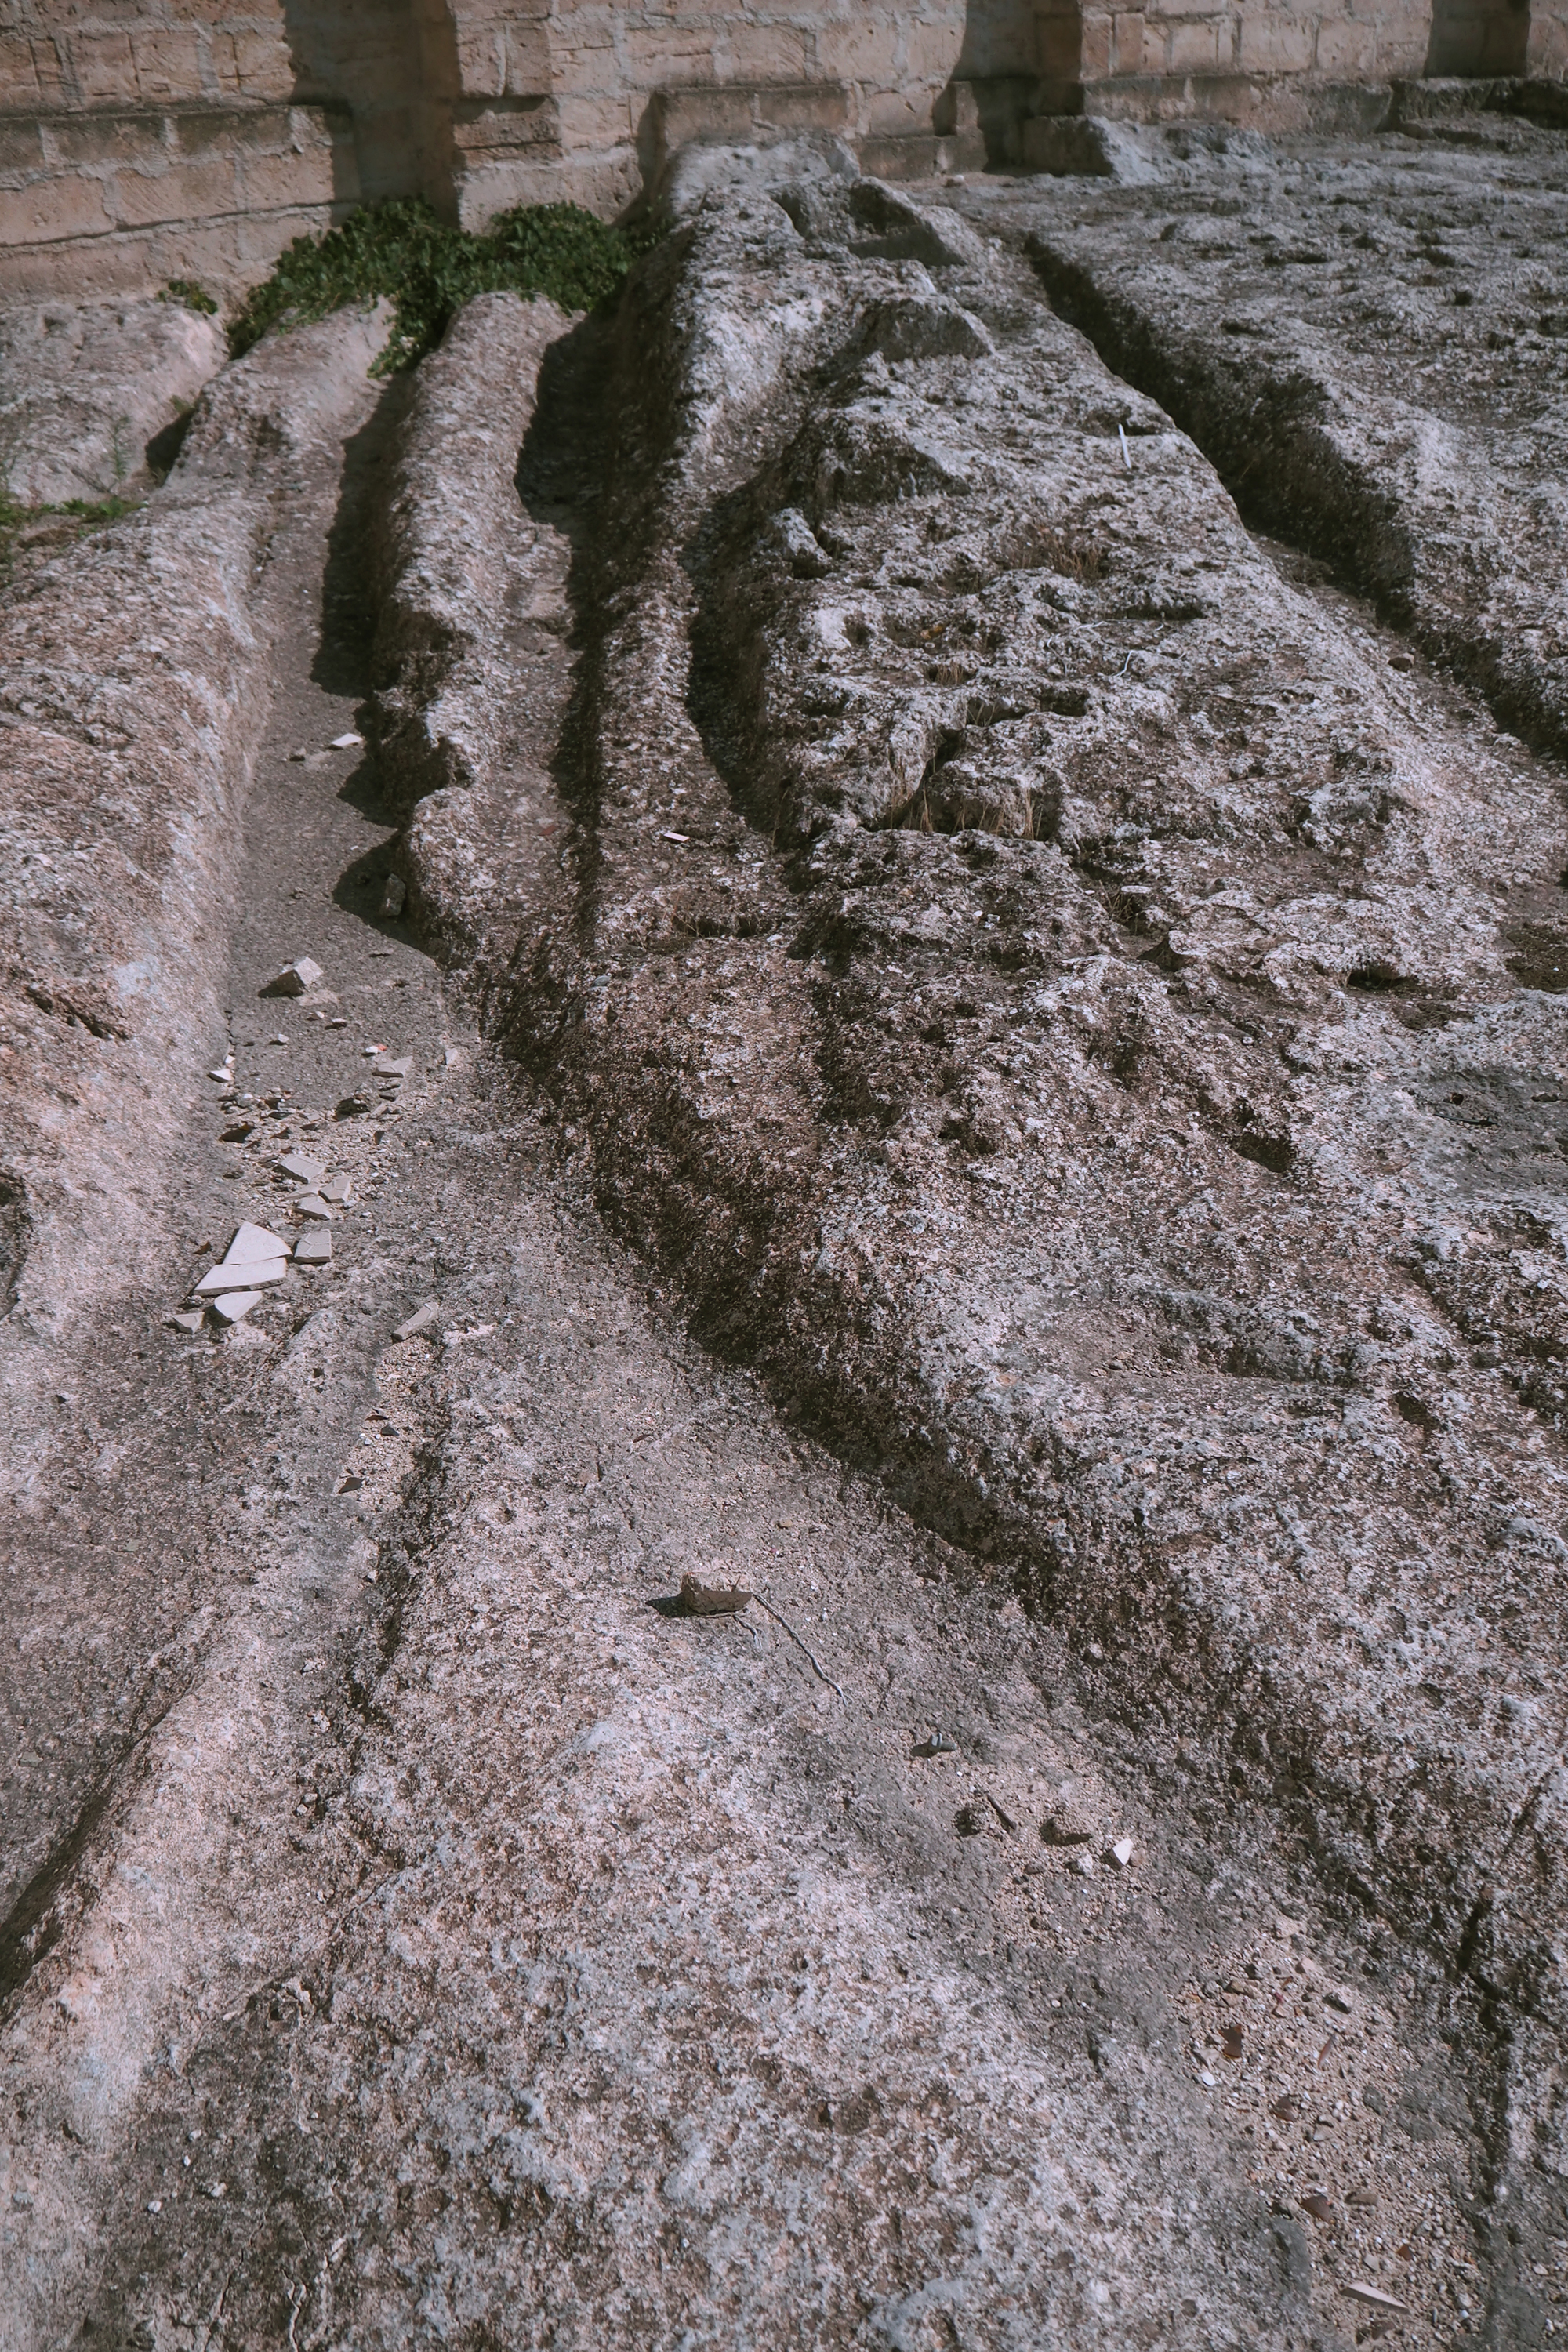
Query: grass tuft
{"x":186,"y":293}
{"x":402,"y":251}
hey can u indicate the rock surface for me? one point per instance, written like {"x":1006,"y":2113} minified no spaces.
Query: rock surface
{"x":1056,"y":1001}
{"x":86,"y":388}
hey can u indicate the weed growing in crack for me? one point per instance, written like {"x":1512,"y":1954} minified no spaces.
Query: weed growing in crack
{"x":401,"y":251}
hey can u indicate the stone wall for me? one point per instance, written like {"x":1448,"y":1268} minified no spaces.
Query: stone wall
{"x":147,"y":139}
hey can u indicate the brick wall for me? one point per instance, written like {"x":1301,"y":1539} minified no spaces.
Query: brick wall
{"x":145,"y":139}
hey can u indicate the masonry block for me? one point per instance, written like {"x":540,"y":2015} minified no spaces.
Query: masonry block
{"x":1094,"y":54}
{"x":1347,"y":50}
{"x":1276,"y":44}
{"x":104,"y":65}
{"x":52,"y":209}
{"x":168,"y":62}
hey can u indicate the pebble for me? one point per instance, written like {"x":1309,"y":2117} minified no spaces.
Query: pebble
{"x":315,"y":1248}
{"x":188,"y":1319}
{"x":294,"y":979}
{"x":349,"y":742}
{"x":1374,"y":2296}
{"x":1119,"y":1855}
{"x":303,"y":1170}
{"x":236,"y":1305}
{"x":253,"y":1241}
{"x":339,"y":1190}
{"x":311,"y":1204}
{"x":393,"y":897}
{"x":244,"y":1277}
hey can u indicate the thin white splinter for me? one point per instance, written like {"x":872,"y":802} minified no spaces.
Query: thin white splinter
{"x":1126,"y":452}
{"x":819,"y":1671}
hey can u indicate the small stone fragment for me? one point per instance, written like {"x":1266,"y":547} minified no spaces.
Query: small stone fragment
{"x":398,"y":1069}
{"x":254,"y":1242}
{"x":294,"y":979}
{"x":370,"y":1052}
{"x":338,"y":1021}
{"x":240,"y":1132}
{"x":419,"y":1320}
{"x":352,"y":1483}
{"x":224,"y":1077}
{"x":349,"y":742}
{"x":1084,"y":1865}
{"x":247,"y":1276}
{"x":1363,"y":2199}
{"x":311,"y":1204}
{"x":393,"y":897}
{"x":236,"y":1305}
{"x":1316,"y":2205}
{"x":189,"y":1318}
{"x":1119,"y":1855}
{"x":711,"y":1599}
{"x":1374,"y":2296}
{"x":338,"y":1189}
{"x":1285,"y":2110}
{"x":303,"y":1170}
{"x":352,"y":1107}
{"x":1231,"y":2043}
{"x":315,"y":1248}
{"x":1056,"y":1833}
{"x":1340,"y":1996}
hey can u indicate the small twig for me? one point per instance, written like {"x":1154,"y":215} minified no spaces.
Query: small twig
{"x":215,"y":2314}
{"x":799,"y":1644}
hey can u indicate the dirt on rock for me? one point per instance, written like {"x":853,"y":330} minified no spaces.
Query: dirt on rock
{"x":987,"y":1072}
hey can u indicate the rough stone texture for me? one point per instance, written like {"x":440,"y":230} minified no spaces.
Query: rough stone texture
{"x":462,"y":608}
{"x":85,"y":387}
{"x":1030,"y":941}
{"x":1066,"y":1002}
{"x":131,"y":675}
{"x":1371,"y":346}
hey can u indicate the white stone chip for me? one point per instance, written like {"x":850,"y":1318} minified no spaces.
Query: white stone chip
{"x":398,"y":1069}
{"x":303,"y":1170}
{"x":1119,"y":1855}
{"x":236,"y":1305}
{"x":315,"y":1248}
{"x":244,"y":1277}
{"x":419,"y":1320}
{"x":189,"y":1318}
{"x":339,"y":1190}
{"x":349,"y":742}
{"x":254,"y":1242}
{"x":311,"y":1204}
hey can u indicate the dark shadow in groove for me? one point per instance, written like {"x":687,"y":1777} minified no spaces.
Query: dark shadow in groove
{"x":342,"y":663}
{"x":18,"y":1955}
{"x":563,"y":469}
